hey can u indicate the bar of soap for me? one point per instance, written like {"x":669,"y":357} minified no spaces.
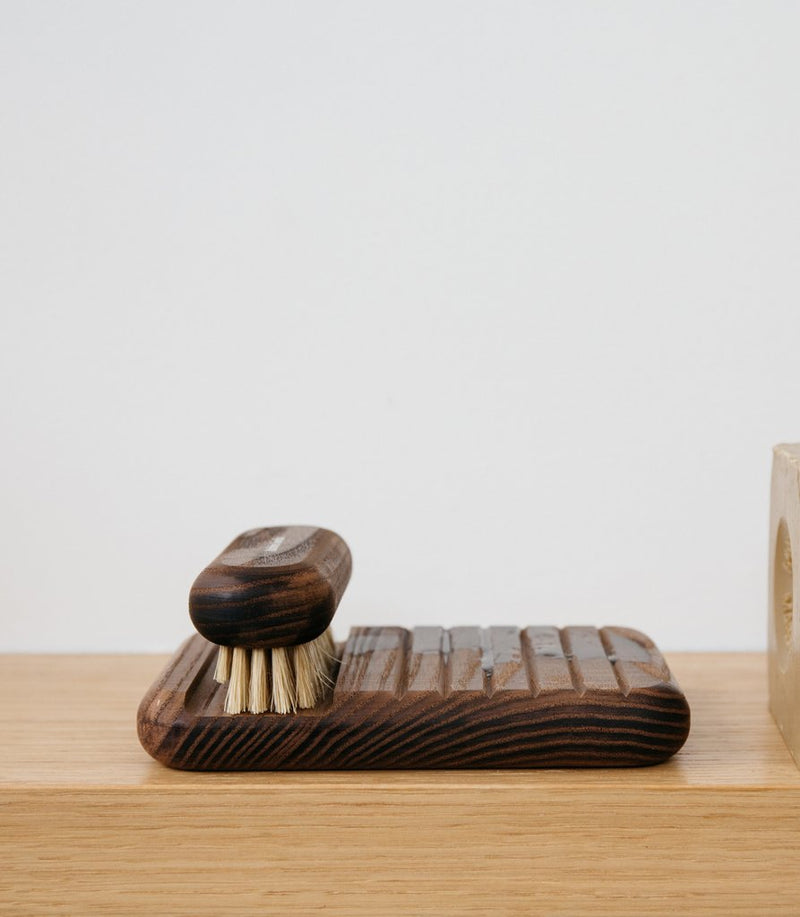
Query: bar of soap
{"x":784,"y":624}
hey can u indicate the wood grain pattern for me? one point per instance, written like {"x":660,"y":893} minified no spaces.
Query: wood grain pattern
{"x":433,"y":698}
{"x":90,"y":825}
{"x":271,"y":587}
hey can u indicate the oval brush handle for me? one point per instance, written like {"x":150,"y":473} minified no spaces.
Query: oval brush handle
{"x":271,"y":587}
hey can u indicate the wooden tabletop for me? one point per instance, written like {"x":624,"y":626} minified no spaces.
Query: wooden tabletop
{"x":90,"y":824}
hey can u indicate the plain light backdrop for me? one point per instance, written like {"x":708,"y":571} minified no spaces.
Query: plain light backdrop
{"x":505,"y":293}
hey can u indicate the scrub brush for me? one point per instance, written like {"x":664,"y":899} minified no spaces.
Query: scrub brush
{"x":267,"y":601}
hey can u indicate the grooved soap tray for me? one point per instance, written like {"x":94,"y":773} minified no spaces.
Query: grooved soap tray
{"x":467,"y":697}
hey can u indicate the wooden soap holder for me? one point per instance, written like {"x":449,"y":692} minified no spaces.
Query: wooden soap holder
{"x":435,"y":698}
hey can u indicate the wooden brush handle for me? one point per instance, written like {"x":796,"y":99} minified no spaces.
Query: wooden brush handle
{"x":271,"y":587}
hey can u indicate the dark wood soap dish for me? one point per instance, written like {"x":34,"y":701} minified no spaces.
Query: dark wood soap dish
{"x":467,"y":697}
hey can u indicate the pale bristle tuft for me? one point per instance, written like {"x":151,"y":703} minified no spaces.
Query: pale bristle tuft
{"x":284,"y":694}
{"x":222,"y":673}
{"x":258,"y":701}
{"x":305,"y":674}
{"x":313,"y":663}
{"x":328,"y":645}
{"x":282,"y":680}
{"x":237,"y":696}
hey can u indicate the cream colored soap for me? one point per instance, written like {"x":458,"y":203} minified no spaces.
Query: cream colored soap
{"x":784,"y":595}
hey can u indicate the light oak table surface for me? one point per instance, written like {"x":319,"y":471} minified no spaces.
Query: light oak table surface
{"x":89,"y":824}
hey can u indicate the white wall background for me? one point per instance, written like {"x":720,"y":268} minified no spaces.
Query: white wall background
{"x":505,"y":293}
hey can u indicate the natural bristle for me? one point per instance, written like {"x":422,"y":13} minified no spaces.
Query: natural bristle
{"x":284,"y":695}
{"x":306,"y":662}
{"x":327,"y":645}
{"x":238,"y":687}
{"x":258,"y":701}
{"x":283,"y":680}
{"x":222,"y":673}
